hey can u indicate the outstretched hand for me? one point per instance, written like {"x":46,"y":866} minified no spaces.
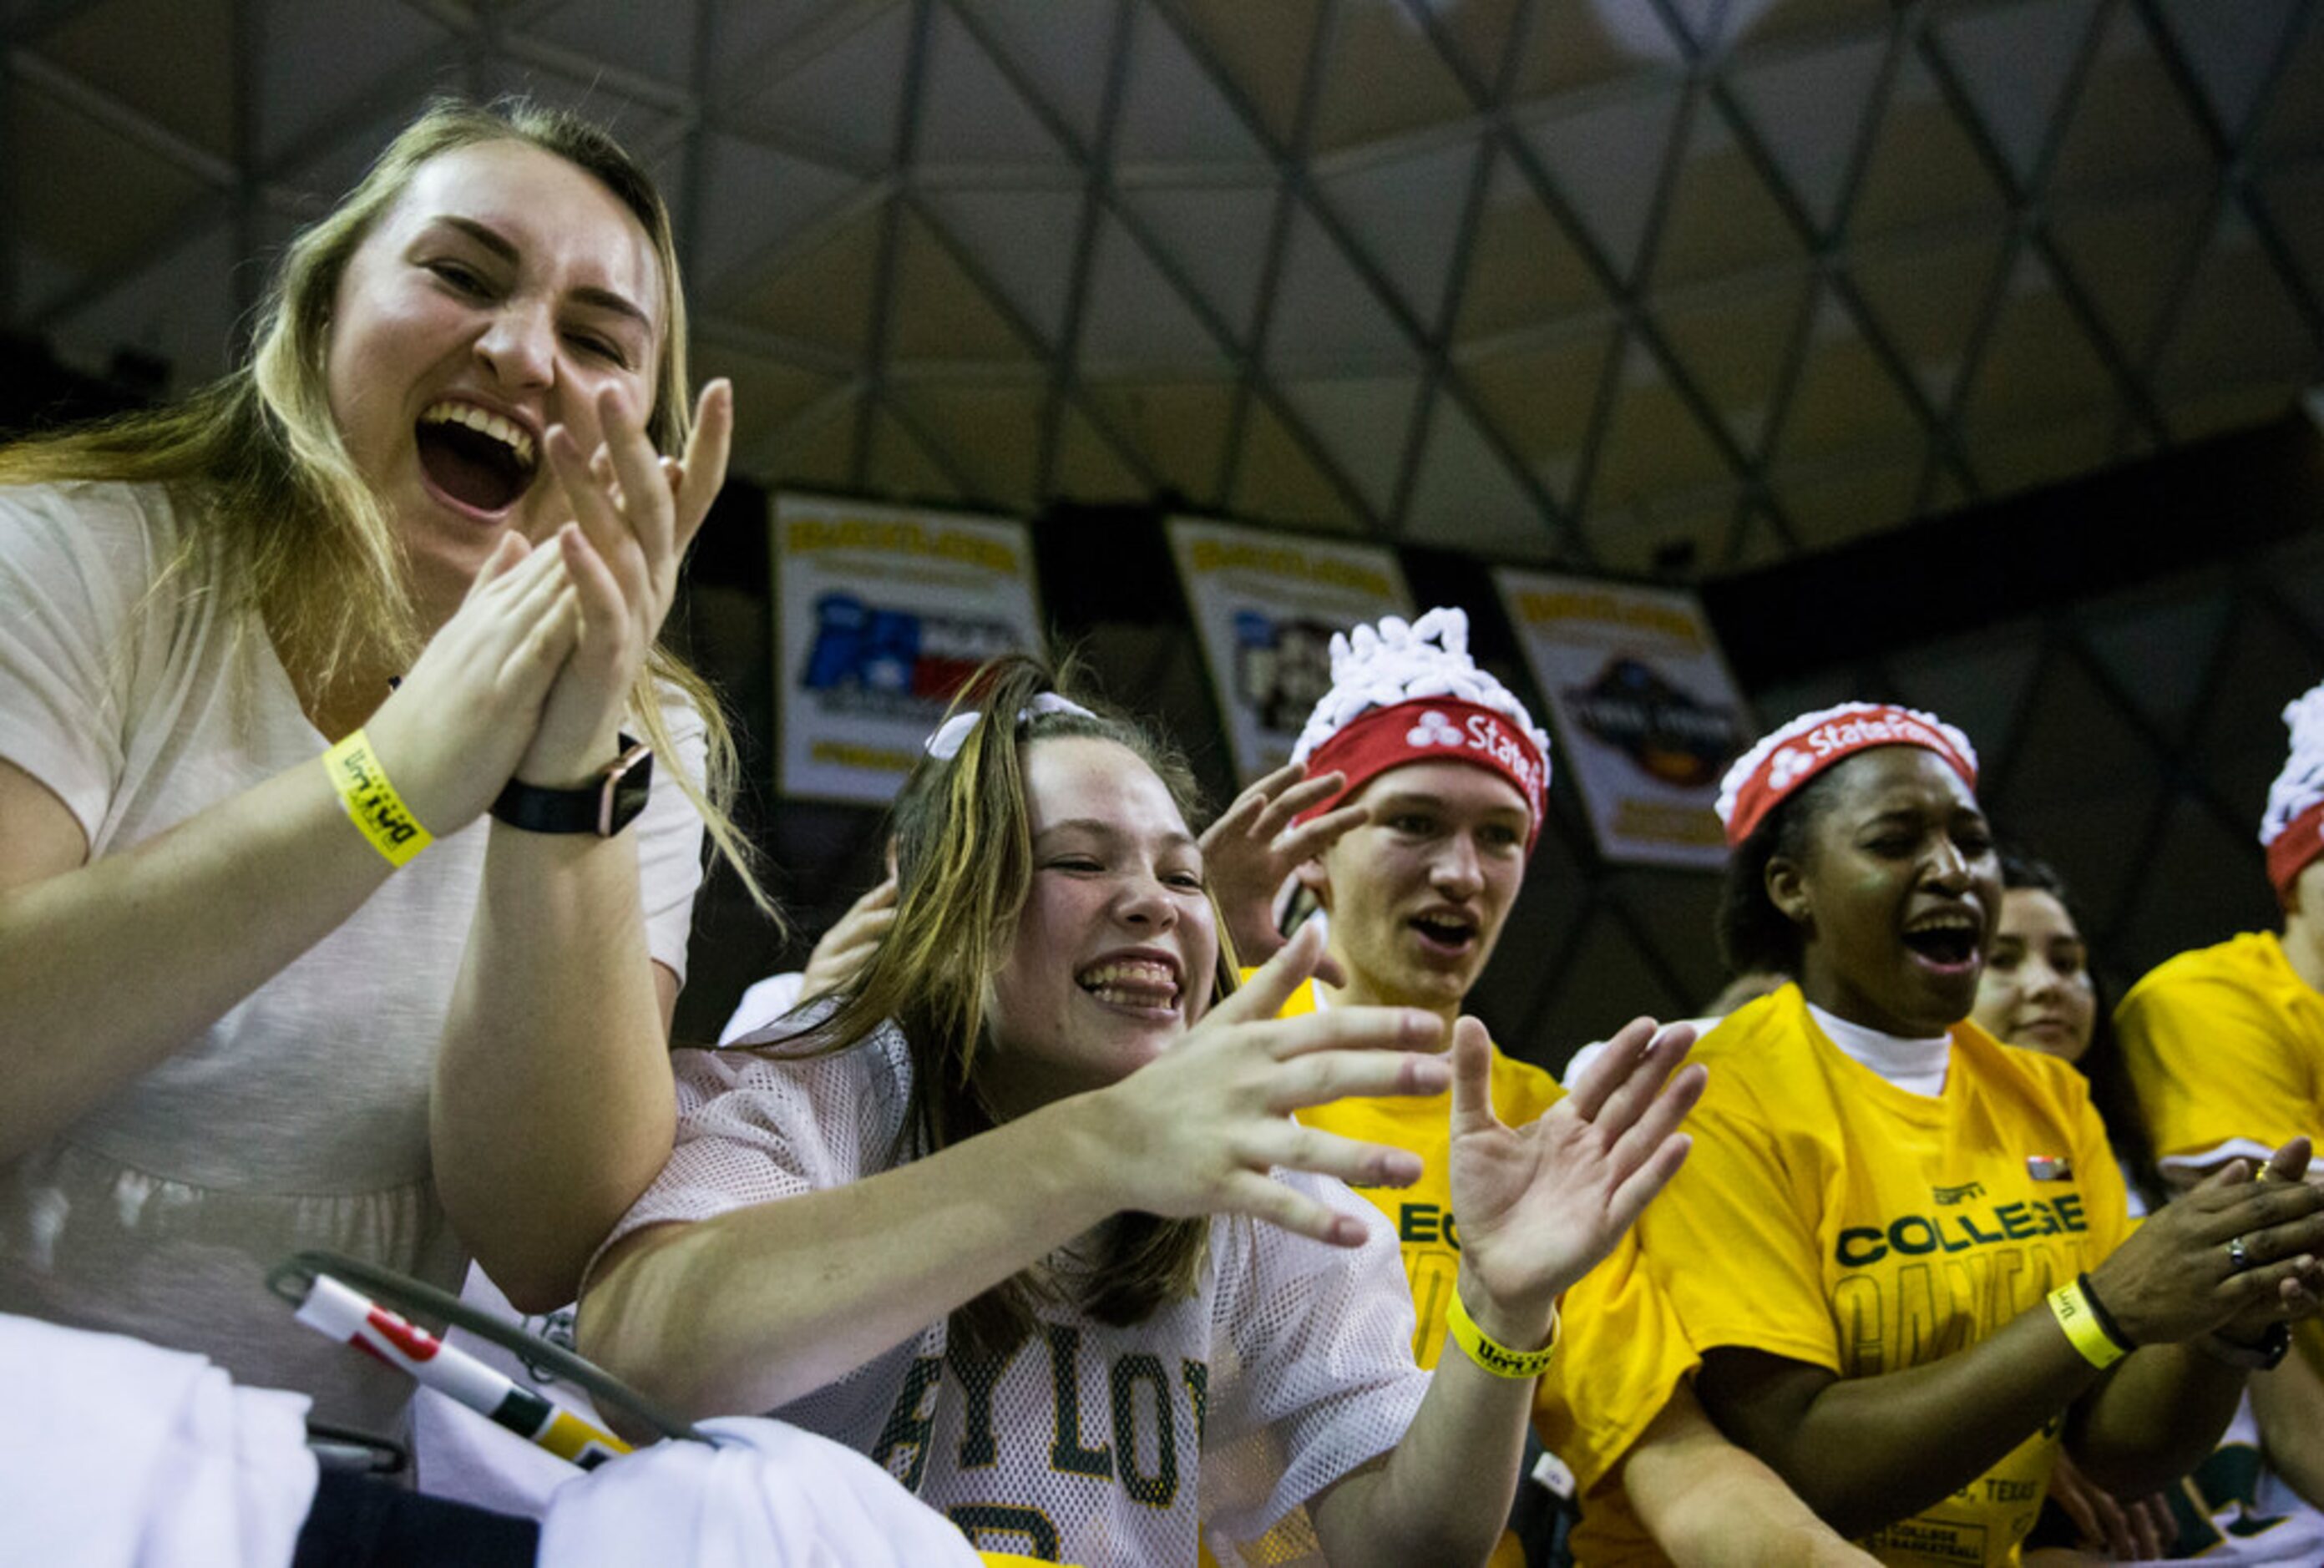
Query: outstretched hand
{"x":1538,"y":1206}
{"x":634,"y":514}
{"x":1195,"y":1131}
{"x":1253,"y":848}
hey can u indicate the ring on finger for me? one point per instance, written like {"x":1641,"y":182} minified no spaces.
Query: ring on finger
{"x":2240,"y":1256}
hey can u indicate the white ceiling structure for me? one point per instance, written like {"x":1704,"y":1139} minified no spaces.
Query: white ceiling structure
{"x":1683,"y":286}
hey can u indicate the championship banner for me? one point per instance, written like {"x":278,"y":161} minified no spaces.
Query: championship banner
{"x":881,"y":613}
{"x":1265,"y":605}
{"x":1647,"y":712}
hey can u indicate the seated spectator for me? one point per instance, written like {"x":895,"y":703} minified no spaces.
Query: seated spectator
{"x":1028,"y":1220}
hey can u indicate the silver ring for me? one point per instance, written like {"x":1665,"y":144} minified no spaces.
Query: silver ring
{"x":2238,"y":1256}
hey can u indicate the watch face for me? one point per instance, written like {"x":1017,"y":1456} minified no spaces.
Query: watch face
{"x":627,"y":785}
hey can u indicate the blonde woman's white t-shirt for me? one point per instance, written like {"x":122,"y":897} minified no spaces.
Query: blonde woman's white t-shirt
{"x":300,"y":1119}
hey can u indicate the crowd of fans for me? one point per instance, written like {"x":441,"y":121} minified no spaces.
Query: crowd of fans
{"x":1116,"y":1207}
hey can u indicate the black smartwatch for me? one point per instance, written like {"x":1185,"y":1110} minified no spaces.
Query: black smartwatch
{"x":603,"y":807}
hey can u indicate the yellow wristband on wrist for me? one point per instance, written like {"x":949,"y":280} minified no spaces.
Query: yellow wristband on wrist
{"x":2083,"y":1329}
{"x":1491,"y":1355}
{"x":372,"y":803}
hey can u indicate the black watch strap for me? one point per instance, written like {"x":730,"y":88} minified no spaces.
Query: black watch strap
{"x":603,"y":807}
{"x":2263,"y":1355}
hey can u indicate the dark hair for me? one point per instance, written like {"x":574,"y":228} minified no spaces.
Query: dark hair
{"x":963,"y":869}
{"x":2101,"y":1061}
{"x":1753,"y":933}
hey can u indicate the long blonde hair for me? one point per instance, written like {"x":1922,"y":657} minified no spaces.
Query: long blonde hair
{"x":964,"y":870}
{"x":280,"y":521}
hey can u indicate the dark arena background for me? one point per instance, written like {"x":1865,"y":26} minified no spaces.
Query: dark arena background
{"x":1958,"y":354}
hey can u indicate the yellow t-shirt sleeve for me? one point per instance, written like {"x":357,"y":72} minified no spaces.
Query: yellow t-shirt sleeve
{"x":2210,"y":1061}
{"x":1738,"y":1258}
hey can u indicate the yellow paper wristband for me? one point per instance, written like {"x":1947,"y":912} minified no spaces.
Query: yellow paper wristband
{"x":1491,"y":1355}
{"x":2072,"y":1309}
{"x":373,"y":805}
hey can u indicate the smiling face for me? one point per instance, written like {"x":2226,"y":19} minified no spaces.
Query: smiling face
{"x":1418,"y":894}
{"x":2036,"y":989}
{"x":1896,"y":896}
{"x":494,"y":298}
{"x":1116,"y":949}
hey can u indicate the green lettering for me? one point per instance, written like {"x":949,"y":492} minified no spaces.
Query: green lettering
{"x":1158,"y":1488}
{"x":1860,"y":1247}
{"x":1066,"y":1451}
{"x":1197,"y":1378}
{"x":1417,"y":1223}
{"x":2016,"y":1222}
{"x":978,"y":1376}
{"x":910,"y":1424}
{"x":1927,"y":1236}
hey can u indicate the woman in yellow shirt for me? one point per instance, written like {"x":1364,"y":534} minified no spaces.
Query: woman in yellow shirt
{"x":1900,"y":1246}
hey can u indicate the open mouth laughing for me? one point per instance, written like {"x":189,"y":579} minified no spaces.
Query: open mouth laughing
{"x":1946,"y":940}
{"x":1445,"y":933}
{"x":480,"y":461}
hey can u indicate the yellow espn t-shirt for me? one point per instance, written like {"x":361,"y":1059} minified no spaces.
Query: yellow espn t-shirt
{"x":1829,"y":1216}
{"x":1620,"y":1349}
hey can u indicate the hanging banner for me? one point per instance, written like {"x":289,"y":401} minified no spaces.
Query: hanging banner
{"x":881,"y":613}
{"x":1265,"y":605}
{"x":1647,"y":712}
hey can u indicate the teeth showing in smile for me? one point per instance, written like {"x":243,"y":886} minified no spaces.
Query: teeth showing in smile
{"x":509,"y":434}
{"x":1131,"y":982}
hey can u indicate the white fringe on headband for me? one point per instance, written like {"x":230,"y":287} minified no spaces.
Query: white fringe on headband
{"x":1402,"y":661}
{"x":1749,"y":763}
{"x":2301,"y":785}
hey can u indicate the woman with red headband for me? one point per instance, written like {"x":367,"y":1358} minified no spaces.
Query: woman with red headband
{"x":1901,"y":1246}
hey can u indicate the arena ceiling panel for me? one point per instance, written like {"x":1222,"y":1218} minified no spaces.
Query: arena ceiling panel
{"x":1651,"y":286}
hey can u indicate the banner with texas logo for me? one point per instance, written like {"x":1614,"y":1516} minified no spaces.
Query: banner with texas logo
{"x":881,"y":613}
{"x":1646,"y":711}
{"x":1265,"y":605}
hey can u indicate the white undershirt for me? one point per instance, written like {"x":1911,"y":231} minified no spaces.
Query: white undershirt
{"x":1915,"y":1067}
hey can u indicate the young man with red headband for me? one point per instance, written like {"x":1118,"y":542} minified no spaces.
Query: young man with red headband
{"x":2225,"y":1046}
{"x":1430,"y":778}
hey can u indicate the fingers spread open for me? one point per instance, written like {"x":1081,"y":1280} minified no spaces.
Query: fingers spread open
{"x":1291,"y":797}
{"x":645,"y":503}
{"x":1247,"y":807}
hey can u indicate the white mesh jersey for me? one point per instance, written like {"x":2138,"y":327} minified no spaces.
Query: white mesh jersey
{"x":1221,"y":1415}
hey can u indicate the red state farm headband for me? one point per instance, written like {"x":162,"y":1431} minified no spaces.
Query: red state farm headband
{"x":2289,"y":853}
{"x":1431,"y":729}
{"x":1782,"y":762}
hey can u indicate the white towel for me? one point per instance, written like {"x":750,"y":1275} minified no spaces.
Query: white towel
{"x":768,"y":1496}
{"x":117,"y":1454}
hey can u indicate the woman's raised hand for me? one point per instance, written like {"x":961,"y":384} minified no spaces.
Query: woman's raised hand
{"x":1538,"y":1206}
{"x":451,"y":733}
{"x":2232,"y":1255}
{"x":634,"y":512}
{"x":1195,"y":1131}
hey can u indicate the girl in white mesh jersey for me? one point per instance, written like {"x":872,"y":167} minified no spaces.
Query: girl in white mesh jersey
{"x":1027,"y":1220}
